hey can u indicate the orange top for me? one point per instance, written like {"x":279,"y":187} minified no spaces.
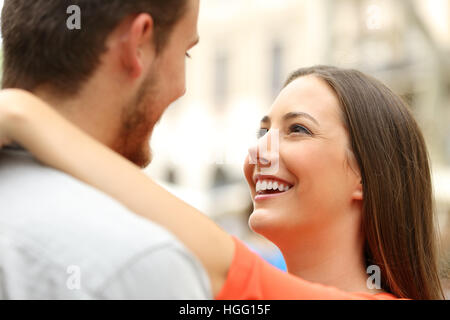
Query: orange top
{"x":252,"y":278}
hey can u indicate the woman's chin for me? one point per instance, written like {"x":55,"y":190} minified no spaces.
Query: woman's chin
{"x":264,"y":222}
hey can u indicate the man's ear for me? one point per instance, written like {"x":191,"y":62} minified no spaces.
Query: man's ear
{"x":137,"y":45}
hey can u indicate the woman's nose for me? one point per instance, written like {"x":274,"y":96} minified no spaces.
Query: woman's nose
{"x":265,"y":153}
{"x":255,"y":156}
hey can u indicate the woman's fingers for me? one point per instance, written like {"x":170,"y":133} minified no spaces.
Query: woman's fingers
{"x":4,"y":142}
{"x":15,"y":105}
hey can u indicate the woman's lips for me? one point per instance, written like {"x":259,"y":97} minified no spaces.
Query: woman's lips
{"x":261,"y":177}
{"x":260,"y":197}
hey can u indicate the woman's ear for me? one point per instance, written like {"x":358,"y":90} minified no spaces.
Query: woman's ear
{"x":358,"y":192}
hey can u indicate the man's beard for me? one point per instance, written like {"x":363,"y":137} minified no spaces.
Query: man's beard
{"x":133,"y":141}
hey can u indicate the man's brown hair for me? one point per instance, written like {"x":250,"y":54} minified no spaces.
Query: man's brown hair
{"x":39,"y":48}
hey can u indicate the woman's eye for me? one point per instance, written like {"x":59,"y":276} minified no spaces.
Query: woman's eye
{"x":296,"y":128}
{"x":188,"y":55}
{"x":261,"y":132}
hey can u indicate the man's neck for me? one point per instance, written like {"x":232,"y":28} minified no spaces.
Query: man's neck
{"x":90,"y":112}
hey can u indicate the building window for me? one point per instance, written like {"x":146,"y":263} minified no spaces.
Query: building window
{"x":276,"y":77}
{"x":447,"y":148}
{"x":221,"y":78}
{"x":171,"y":176}
{"x":220,"y":177}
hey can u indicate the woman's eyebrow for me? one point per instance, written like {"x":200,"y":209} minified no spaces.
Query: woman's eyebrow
{"x":291,"y":115}
{"x":265,"y":119}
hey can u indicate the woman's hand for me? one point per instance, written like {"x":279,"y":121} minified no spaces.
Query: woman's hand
{"x":9,"y":112}
{"x":23,"y":117}
{"x":4,"y":142}
{"x":15,"y":106}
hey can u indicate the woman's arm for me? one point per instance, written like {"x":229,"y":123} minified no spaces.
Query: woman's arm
{"x":56,"y":142}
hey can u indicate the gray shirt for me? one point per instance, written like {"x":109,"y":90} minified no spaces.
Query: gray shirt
{"x":62,"y":239}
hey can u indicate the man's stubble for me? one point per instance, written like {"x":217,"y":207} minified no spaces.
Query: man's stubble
{"x":137,"y":122}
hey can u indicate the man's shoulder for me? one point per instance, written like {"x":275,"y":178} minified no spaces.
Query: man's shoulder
{"x":43,"y":195}
{"x":41,"y":199}
{"x":22,"y":176}
{"x":28,"y":184}
{"x":52,"y":220}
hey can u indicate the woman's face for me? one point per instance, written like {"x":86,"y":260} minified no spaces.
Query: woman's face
{"x":313,"y":159}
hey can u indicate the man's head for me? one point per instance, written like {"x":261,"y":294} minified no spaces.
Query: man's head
{"x":115,"y":76}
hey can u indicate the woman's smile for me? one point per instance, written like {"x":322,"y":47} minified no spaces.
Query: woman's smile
{"x":270,"y":195}
{"x":268,"y":187}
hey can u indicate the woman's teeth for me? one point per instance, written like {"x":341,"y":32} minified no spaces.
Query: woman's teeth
{"x":264,"y":185}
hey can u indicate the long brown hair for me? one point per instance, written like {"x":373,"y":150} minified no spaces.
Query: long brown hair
{"x":398,"y":220}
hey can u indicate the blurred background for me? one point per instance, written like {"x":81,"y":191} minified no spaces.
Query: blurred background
{"x":247,"y":50}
